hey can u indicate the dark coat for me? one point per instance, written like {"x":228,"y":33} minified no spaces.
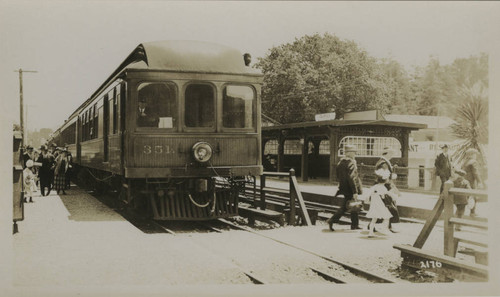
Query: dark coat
{"x":443,"y":165}
{"x":348,"y":177}
{"x":472,"y":174}
{"x":46,"y":170}
{"x":149,"y":118}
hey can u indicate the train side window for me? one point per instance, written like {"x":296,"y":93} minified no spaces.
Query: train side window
{"x":157,"y":105}
{"x":115,"y":108}
{"x":238,"y":107}
{"x":96,"y":121}
{"x":199,"y":106}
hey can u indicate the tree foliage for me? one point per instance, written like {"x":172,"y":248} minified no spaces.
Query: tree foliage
{"x":471,"y":122}
{"x":319,"y":74}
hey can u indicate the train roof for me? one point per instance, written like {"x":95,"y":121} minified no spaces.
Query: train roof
{"x":182,"y":56}
{"x":185,"y":56}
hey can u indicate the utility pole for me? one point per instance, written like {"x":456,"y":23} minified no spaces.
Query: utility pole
{"x":21,"y":97}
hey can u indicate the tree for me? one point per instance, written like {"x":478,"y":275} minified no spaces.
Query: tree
{"x":400,"y":97}
{"x":319,"y":74}
{"x":472,"y":121}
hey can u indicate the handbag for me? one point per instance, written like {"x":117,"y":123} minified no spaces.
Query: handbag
{"x":391,"y":206}
{"x":354,"y":206}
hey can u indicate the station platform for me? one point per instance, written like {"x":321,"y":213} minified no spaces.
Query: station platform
{"x":76,"y":240}
{"x":411,"y":204}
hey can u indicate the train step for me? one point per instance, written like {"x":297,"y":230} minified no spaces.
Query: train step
{"x":253,"y":213}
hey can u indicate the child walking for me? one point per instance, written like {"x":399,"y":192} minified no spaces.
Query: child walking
{"x":29,"y":179}
{"x":378,"y":210}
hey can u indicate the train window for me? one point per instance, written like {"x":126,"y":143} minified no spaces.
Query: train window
{"x":96,"y":121}
{"x":199,"y":106}
{"x":238,"y":107}
{"x":157,"y":106}
{"x":115,"y":108}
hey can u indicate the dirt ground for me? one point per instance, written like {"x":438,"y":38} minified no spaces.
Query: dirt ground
{"x":76,"y":241}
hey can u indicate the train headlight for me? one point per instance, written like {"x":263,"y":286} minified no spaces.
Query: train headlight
{"x":202,"y":152}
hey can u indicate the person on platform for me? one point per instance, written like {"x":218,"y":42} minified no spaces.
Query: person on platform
{"x":29,"y":179}
{"x":378,"y":209}
{"x":443,"y":166}
{"x":385,"y":163}
{"x":28,"y":155}
{"x":60,"y":172}
{"x":45,"y":172}
{"x":349,"y":186}
{"x":472,"y":174}
{"x":69,"y":172}
{"x":459,"y":181}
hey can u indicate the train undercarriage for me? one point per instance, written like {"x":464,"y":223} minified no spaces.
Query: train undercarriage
{"x":202,"y":198}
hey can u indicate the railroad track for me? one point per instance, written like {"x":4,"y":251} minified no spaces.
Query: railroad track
{"x":356,"y":270}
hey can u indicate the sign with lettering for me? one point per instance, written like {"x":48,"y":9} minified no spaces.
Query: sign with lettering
{"x":324,"y":117}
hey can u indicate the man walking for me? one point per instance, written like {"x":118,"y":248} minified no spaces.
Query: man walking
{"x":349,"y":186}
{"x":443,"y":166}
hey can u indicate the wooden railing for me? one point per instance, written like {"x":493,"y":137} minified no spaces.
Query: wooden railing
{"x":447,"y":264}
{"x":293,"y":193}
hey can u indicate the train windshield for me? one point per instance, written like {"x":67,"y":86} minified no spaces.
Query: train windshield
{"x":157,"y":105}
{"x":238,"y":107}
{"x":199,"y":106}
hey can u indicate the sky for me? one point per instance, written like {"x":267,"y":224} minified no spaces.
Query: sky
{"x":75,"y":45}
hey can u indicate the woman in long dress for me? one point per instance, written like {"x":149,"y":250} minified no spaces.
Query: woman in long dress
{"x":60,"y":172}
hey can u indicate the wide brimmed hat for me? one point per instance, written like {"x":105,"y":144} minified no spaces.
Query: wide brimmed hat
{"x":444,"y":146}
{"x":460,"y":172}
{"x":386,"y":150}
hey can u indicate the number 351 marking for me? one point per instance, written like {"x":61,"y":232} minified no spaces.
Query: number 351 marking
{"x":157,"y":149}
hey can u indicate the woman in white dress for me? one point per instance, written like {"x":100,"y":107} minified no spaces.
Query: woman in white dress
{"x":29,"y":181}
{"x":378,"y":210}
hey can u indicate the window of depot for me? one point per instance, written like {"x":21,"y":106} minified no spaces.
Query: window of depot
{"x":238,"y":107}
{"x":156,"y":105}
{"x":271,"y":147}
{"x":199,"y":106}
{"x":367,"y":146}
{"x":292,"y":147}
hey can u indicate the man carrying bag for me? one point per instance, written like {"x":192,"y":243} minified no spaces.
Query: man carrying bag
{"x":349,"y":186}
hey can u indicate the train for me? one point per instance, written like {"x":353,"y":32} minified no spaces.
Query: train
{"x":175,"y":130}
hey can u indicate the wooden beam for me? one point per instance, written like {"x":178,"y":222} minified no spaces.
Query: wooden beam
{"x":429,"y":223}
{"x":442,"y":264}
{"x":295,"y":191}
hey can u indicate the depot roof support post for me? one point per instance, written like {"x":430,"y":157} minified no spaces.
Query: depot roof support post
{"x":333,"y":154}
{"x":304,"y":174}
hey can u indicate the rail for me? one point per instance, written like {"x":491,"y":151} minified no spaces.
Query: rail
{"x":447,"y":264}
{"x":293,"y":193}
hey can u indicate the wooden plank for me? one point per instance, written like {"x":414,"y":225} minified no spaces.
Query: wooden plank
{"x":304,"y":214}
{"x":429,"y":223}
{"x":470,"y":192}
{"x":461,"y":237}
{"x":276,"y":190}
{"x":442,"y":264}
{"x":449,"y":228}
{"x":470,"y":223}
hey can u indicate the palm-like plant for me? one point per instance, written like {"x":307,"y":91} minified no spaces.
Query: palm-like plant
{"x":471,"y":122}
